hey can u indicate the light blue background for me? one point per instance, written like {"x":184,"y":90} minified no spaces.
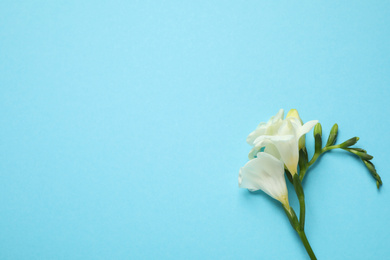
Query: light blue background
{"x":123,"y":127}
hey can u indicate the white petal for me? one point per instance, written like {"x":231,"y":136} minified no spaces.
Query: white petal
{"x":264,"y":173}
{"x":260,"y":130}
{"x":295,"y":121}
{"x":289,"y":152}
{"x":253,"y":152}
{"x":273,"y":128}
{"x":287,"y":146}
{"x":306,"y":127}
{"x":272,"y":150}
{"x":278,"y":116}
{"x":268,"y":128}
{"x":286,"y":128}
{"x":263,"y":140}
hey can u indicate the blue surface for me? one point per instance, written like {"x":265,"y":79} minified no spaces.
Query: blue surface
{"x":123,"y":127}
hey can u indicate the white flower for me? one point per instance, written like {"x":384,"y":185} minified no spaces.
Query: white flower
{"x":268,"y":128}
{"x":294,"y":113}
{"x":280,"y":138}
{"x":265,"y":173}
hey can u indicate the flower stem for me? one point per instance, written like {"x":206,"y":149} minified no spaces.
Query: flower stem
{"x":314,"y":159}
{"x":301,"y":197}
{"x":306,"y":243}
{"x":295,"y":224}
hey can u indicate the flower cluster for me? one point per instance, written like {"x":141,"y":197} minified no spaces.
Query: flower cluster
{"x":278,"y":147}
{"x":275,"y":144}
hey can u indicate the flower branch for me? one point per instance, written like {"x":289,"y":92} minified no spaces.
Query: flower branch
{"x":278,"y":148}
{"x":346,"y":146}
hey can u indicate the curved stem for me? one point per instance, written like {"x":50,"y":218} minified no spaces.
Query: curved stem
{"x":325,"y":149}
{"x":314,"y":159}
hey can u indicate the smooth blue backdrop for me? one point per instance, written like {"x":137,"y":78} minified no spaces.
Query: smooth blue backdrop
{"x":123,"y":127}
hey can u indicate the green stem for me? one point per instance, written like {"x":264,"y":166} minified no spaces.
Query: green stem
{"x":323,"y":150}
{"x":327,"y":148}
{"x":295,"y":224}
{"x":301,"y":197}
{"x":314,"y":159}
{"x":306,"y":243}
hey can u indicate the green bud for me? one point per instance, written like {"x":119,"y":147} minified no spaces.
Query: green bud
{"x":360,"y":152}
{"x":333,"y":135}
{"x":349,"y":142}
{"x":302,"y":159}
{"x":370,"y":166}
{"x":318,"y":129}
{"x":364,"y":156}
{"x":318,"y":138}
{"x":289,"y":176}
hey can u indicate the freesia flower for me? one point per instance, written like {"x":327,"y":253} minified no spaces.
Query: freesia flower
{"x":275,"y":149}
{"x":265,"y":173}
{"x":280,"y":138}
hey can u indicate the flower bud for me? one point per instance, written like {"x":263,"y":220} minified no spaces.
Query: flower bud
{"x":333,"y":135}
{"x":294,"y":113}
{"x":373,"y":172}
{"x":302,"y":142}
{"x":364,"y":156}
{"x":349,"y":142}
{"x":318,"y":129}
{"x":360,"y":152}
{"x":318,"y":137}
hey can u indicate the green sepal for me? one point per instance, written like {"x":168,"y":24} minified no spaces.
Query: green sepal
{"x":301,"y":197}
{"x":289,"y":176}
{"x":292,"y":217}
{"x":370,"y":166}
{"x":318,"y":138}
{"x":298,"y":186}
{"x":349,"y":142}
{"x":332,"y":135}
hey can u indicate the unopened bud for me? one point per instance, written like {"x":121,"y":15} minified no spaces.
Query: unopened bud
{"x":349,"y":142}
{"x":373,"y":172}
{"x":360,"y":152}
{"x":294,"y":113}
{"x":318,"y":137}
{"x":332,"y":135}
